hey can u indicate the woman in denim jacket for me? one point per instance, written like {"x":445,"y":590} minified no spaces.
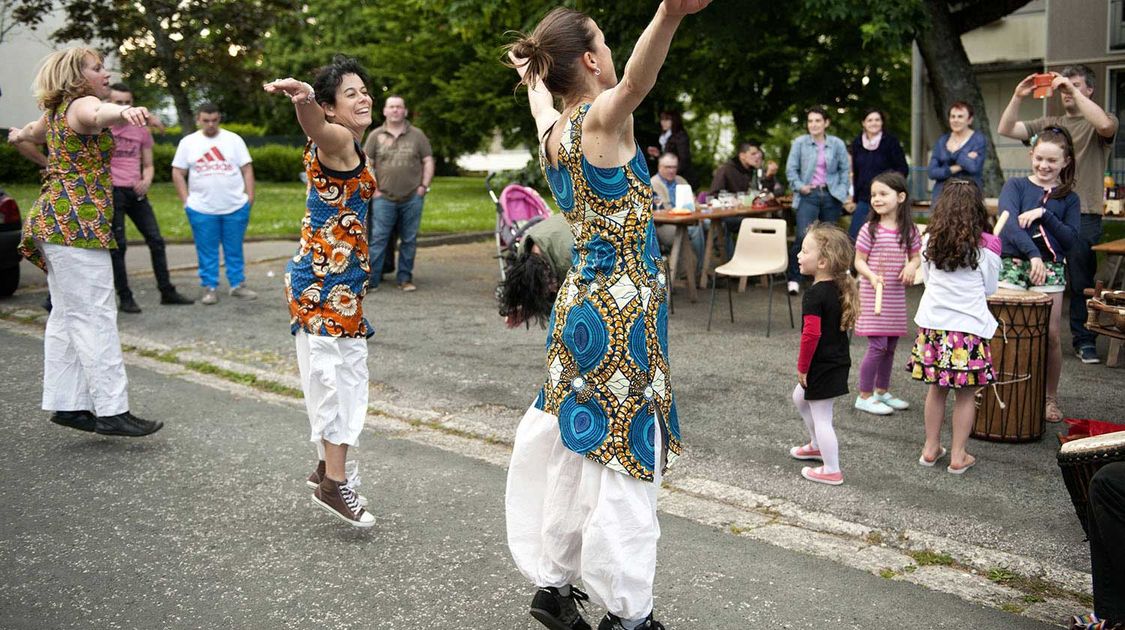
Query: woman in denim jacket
{"x":960,"y":152}
{"x":817,"y":169}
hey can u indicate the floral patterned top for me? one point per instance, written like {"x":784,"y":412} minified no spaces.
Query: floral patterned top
{"x":327,"y":279}
{"x":75,"y":207}
{"x":607,"y":353}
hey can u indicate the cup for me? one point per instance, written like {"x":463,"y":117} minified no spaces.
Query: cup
{"x":1043,"y":85}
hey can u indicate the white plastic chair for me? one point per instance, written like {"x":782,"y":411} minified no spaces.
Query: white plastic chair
{"x":761,"y":250}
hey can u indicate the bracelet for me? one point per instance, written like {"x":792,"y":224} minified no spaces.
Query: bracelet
{"x":311,"y":96}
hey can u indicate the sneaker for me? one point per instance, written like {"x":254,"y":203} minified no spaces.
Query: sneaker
{"x":1052,"y":411}
{"x":407,"y":287}
{"x":175,"y":297}
{"x":129,"y":305}
{"x":613,"y":622}
{"x":892,"y":401}
{"x":242,"y":293}
{"x":818,"y":475}
{"x":558,"y":611}
{"x":210,"y":296}
{"x":125,"y":424}
{"x":81,"y":420}
{"x":313,"y":480}
{"x":873,"y":405}
{"x":793,"y":287}
{"x":1088,"y":354}
{"x":805,"y":452}
{"x":341,"y":501}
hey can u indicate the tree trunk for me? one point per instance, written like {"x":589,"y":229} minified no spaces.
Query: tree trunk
{"x":952,"y":79}
{"x":166,"y":59}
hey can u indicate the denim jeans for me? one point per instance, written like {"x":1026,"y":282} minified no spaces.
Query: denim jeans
{"x":859,"y":218}
{"x":212,"y":230}
{"x":1081,"y":265}
{"x":818,"y":205}
{"x":387,"y":217}
{"x":126,"y":202}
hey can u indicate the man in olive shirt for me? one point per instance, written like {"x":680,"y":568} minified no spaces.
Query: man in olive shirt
{"x":1092,"y":130}
{"x":403,"y":163}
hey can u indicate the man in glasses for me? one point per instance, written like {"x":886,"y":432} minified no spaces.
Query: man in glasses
{"x":1093,"y":131}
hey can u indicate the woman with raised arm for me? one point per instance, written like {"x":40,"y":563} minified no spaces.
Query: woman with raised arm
{"x":68,"y":234}
{"x":590,"y":452}
{"x":326,"y":280}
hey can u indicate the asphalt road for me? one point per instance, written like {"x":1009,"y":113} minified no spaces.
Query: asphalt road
{"x":207,"y":524}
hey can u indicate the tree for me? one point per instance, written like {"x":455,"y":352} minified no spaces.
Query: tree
{"x":190,"y":48}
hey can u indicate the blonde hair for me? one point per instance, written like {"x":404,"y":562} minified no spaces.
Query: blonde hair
{"x":837,"y":251}
{"x":60,"y":78}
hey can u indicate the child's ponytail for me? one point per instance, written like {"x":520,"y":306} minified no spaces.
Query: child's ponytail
{"x":837,"y":251}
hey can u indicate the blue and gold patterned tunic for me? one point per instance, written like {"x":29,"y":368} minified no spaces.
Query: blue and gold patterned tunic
{"x":607,"y":354}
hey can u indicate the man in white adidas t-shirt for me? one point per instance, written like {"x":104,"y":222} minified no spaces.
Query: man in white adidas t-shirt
{"x":215,"y":181}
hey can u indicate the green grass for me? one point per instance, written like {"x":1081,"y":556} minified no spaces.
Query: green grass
{"x":928,"y":558}
{"x":456,"y":204}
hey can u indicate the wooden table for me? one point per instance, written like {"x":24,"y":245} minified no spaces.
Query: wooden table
{"x":681,"y":248}
{"x":1112,"y":248}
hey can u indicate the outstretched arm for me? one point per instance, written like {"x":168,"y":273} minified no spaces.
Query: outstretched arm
{"x":329,"y":138}
{"x":1105,"y":124}
{"x":34,"y":132}
{"x":90,"y":115}
{"x":1010,"y":124}
{"x":539,"y":98}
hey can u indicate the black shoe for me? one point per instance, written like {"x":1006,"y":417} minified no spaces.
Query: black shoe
{"x":81,"y":420}
{"x":129,"y":305}
{"x":613,"y":622}
{"x":175,"y":297}
{"x":47,"y":303}
{"x":557,"y":612}
{"x":126,"y":424}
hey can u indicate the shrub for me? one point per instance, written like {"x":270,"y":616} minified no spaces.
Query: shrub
{"x":278,"y":163}
{"x":15,"y":168}
{"x":162,"y":155}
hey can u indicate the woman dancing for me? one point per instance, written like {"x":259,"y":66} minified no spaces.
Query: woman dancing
{"x":326,"y":280}
{"x":589,"y":454}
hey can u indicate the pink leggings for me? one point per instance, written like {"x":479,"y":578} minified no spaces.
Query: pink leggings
{"x":878,"y":361}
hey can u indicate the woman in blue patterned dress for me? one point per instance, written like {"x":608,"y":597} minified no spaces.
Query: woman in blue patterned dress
{"x":589,"y":454}
{"x":326,"y":280}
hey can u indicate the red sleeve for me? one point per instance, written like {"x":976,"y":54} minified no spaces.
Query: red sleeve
{"x":810,"y":337}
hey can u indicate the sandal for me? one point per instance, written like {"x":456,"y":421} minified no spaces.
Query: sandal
{"x":1052,"y":411}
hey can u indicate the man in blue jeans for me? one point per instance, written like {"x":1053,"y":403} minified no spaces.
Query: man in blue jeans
{"x":403,"y":162}
{"x":215,"y":181}
{"x":817,"y":169}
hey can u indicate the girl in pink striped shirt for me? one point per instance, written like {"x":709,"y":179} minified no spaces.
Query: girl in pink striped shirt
{"x":887,"y":253}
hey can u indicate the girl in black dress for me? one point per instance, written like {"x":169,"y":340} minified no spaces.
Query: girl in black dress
{"x":828,"y":310}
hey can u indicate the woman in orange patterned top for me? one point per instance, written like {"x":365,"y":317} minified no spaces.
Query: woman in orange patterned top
{"x":326,"y":280}
{"x":67,"y":234}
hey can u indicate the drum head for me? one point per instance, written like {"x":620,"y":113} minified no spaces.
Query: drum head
{"x":1015,"y":296}
{"x":1095,"y":444}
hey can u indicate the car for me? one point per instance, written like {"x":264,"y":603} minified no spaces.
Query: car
{"x":11,"y":230}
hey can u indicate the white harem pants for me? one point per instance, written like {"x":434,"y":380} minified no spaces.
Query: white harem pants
{"x":334,"y":381}
{"x":83,"y":369}
{"x":570,"y":518}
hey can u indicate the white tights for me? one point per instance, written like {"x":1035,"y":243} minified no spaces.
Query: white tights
{"x":817,"y":415}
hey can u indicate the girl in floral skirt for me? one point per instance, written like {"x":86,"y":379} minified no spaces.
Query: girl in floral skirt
{"x":961,"y":260}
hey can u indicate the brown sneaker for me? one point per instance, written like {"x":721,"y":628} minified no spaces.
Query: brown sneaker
{"x":407,"y":286}
{"x":1053,"y":413}
{"x":342,"y":502}
{"x":317,"y":474}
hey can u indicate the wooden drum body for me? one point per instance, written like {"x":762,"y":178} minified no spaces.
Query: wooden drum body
{"x":1080,"y":459}
{"x":1019,"y":359}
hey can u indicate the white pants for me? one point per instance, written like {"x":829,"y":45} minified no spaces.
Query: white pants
{"x":334,"y":381}
{"x":83,"y":368}
{"x":570,"y":518}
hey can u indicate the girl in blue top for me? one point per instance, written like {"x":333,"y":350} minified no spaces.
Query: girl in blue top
{"x":959,"y":153}
{"x":1045,"y":217}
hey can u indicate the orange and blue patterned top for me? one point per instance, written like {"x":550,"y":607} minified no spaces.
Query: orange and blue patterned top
{"x":608,"y":378}
{"x":75,"y":207}
{"x":327,"y":279}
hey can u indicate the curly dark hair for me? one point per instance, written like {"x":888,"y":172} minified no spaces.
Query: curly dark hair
{"x":529,"y":291}
{"x":328,"y":78}
{"x":958,"y":220}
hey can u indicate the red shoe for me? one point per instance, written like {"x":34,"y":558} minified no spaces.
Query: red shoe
{"x":804,"y":452}
{"x":818,"y":475}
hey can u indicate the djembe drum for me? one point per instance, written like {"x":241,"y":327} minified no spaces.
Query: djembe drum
{"x":1013,"y":410}
{"x":1080,"y":459}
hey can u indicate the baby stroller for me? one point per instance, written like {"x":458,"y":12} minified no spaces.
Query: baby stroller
{"x":517,"y":209}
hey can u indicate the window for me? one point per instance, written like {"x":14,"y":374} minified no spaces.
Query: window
{"x":1117,"y":25}
{"x":1116,"y":99}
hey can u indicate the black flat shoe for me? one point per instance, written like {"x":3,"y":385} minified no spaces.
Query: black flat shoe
{"x":126,"y":424}
{"x":81,"y":420}
{"x":557,"y":612}
{"x":613,"y":622}
{"x":129,"y":305}
{"x":175,"y":297}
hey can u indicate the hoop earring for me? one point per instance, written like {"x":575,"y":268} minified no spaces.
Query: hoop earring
{"x":597,"y":72}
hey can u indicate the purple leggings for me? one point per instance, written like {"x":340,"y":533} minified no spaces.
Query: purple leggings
{"x":878,"y":361}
